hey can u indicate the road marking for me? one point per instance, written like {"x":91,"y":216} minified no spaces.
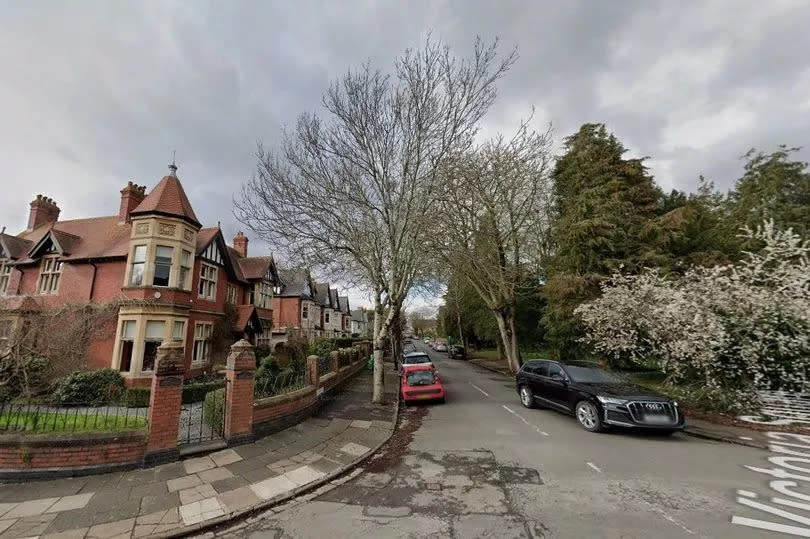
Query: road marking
{"x":594,"y":466}
{"x":669,"y":518}
{"x":771,"y":526}
{"x":747,"y":438}
{"x":517,"y":415}
{"x":481,"y":390}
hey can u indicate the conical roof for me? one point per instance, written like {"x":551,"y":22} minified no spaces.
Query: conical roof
{"x":168,"y":198}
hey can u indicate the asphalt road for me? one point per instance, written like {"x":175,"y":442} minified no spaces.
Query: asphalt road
{"x":483,"y":466}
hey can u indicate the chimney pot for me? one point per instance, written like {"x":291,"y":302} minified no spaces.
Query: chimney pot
{"x":42,"y":210}
{"x":131,"y":196}
{"x":240,"y":244}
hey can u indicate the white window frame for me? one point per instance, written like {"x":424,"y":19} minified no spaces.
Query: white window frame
{"x":201,"y":354}
{"x":155,"y":266}
{"x":132,"y":340}
{"x":50,"y":274}
{"x":233,"y":293}
{"x":153,"y":340}
{"x":208,"y":283}
{"x":265,"y":295}
{"x":179,"y":335}
{"x":138,"y":263}
{"x":5,"y":276}
{"x":186,"y":268}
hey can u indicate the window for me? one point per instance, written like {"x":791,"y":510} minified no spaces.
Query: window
{"x":263,"y":338}
{"x":326,"y":317}
{"x":138,"y":264}
{"x":49,"y":275}
{"x":232,"y":294}
{"x":305,"y":311}
{"x":555,"y":371}
{"x":127,"y":345}
{"x":179,"y":331}
{"x":202,"y":344}
{"x":163,"y":265}
{"x":277,"y":290}
{"x":185,"y":270}
{"x":153,"y":336}
{"x":265,"y":295}
{"x":5,"y":277}
{"x":208,"y":281}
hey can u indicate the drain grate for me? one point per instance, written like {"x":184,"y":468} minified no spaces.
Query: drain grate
{"x":433,"y":486}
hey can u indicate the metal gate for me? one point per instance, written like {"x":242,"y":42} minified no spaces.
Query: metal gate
{"x":202,"y":423}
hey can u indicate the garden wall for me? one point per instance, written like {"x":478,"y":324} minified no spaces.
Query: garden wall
{"x":53,"y":455}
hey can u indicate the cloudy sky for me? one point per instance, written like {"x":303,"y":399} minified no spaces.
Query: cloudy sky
{"x":95,"y":93}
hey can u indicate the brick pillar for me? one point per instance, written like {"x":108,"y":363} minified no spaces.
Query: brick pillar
{"x":239,"y":395}
{"x":165,"y":404}
{"x":312,"y":368}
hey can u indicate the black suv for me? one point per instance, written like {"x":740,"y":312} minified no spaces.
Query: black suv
{"x":597,"y":397}
{"x":456,"y":352}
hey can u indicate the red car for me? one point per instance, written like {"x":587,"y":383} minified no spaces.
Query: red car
{"x":421,"y":383}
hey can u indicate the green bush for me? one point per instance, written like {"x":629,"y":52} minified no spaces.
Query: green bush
{"x":344,"y":342}
{"x":214,"y":410}
{"x":321,"y":347}
{"x":92,"y":388}
{"x":137,"y":397}
{"x":197,"y":392}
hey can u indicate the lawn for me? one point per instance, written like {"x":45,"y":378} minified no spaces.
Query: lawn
{"x":39,"y":422}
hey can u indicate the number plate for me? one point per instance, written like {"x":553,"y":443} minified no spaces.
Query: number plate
{"x":657,"y":418}
{"x":424,"y":396}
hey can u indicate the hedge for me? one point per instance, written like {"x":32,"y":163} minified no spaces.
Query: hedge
{"x":214,"y":410}
{"x":197,"y":392}
{"x":137,"y":397}
{"x":90,"y":388}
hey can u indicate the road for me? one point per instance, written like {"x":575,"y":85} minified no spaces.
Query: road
{"x":483,"y":466}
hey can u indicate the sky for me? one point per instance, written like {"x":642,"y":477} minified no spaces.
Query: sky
{"x":96,"y":93}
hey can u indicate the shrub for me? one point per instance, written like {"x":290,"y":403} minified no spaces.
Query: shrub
{"x":321,"y":347}
{"x":214,"y":410}
{"x":137,"y":397}
{"x":344,"y":342}
{"x":196,"y":392}
{"x":93,"y":388}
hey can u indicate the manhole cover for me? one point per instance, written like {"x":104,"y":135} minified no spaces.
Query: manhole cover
{"x":433,"y":486}
{"x":515,"y":474}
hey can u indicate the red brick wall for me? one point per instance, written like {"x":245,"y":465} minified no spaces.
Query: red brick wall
{"x":282,"y":406}
{"x":287,"y":312}
{"x":17,"y":453}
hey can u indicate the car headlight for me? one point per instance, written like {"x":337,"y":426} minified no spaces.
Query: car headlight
{"x":611,"y":400}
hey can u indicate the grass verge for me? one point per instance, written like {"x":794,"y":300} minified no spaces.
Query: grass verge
{"x":40,"y":422}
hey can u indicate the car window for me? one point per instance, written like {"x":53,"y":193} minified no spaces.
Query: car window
{"x":541,"y":368}
{"x":594,"y":375}
{"x":415,"y":360}
{"x":554,"y":370}
{"x":420,"y":378}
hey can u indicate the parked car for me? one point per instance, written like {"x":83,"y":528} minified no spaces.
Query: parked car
{"x":456,"y":352}
{"x":416,"y":358}
{"x":421,"y":383}
{"x":427,"y":340}
{"x":440,"y":347}
{"x":597,"y":397}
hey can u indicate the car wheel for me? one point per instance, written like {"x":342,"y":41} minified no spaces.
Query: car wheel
{"x":588,"y":417}
{"x":526,"y":397}
{"x":441,"y":401}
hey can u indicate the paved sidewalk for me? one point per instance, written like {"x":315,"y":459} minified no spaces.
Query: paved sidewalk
{"x":190,"y":494}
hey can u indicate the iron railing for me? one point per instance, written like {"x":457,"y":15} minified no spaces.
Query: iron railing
{"x":345,"y":359}
{"x":42,"y":418}
{"x":285,"y":381}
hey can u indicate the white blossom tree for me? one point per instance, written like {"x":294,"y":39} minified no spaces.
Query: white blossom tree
{"x":732,"y":329}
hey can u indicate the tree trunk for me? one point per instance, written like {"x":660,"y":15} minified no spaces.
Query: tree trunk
{"x":396,"y":334}
{"x":378,"y":394}
{"x":460,"y":332}
{"x":506,"y":326}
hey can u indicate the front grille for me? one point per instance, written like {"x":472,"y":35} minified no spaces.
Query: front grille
{"x":653,"y":412}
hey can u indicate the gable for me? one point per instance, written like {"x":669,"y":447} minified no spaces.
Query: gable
{"x":45,"y":246}
{"x":213,"y":253}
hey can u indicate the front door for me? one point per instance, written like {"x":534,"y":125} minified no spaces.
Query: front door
{"x":555,"y":386}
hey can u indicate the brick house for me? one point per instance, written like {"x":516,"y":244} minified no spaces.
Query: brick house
{"x":296,"y":310}
{"x":179,"y":279}
{"x":345,"y":316}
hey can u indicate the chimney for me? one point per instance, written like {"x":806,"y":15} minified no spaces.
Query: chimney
{"x":131,"y":195}
{"x":43,"y":210}
{"x":240,"y":242}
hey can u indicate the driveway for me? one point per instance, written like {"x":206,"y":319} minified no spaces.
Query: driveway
{"x":483,"y":466}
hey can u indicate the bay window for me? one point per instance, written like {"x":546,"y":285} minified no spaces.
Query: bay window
{"x":179,"y":331}
{"x":138,"y":265}
{"x":163,"y":265}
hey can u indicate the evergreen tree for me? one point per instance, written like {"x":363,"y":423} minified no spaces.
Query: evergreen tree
{"x":607,"y":209}
{"x":773,"y":187}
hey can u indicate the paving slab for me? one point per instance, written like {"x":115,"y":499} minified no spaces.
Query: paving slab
{"x":111,"y":529}
{"x":214,"y":474}
{"x":162,"y":501}
{"x":237,"y":499}
{"x":182,"y":483}
{"x":195,"y":494}
{"x":31,"y":508}
{"x":69,"y":503}
{"x":198,"y":464}
{"x":77,"y":533}
{"x":304,"y":475}
{"x":354,"y":449}
{"x":231,"y":483}
{"x":30,"y":526}
{"x":225,"y":457}
{"x":270,"y":488}
{"x":199,"y":511}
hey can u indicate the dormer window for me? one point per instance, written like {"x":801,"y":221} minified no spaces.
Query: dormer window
{"x":5,"y":276}
{"x":163,"y":265}
{"x":49,"y":274}
{"x":277,"y":290}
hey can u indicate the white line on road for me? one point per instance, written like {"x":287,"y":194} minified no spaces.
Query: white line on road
{"x":479,"y":389}
{"x":594,"y":466}
{"x":517,"y":415}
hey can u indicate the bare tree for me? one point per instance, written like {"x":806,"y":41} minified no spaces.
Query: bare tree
{"x":352,"y":193}
{"x":496,"y":212}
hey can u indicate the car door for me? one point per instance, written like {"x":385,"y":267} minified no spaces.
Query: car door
{"x":555,"y":386}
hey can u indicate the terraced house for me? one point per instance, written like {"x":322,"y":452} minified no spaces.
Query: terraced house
{"x":174,"y":279}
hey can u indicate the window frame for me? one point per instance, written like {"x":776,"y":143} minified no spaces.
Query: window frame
{"x":202,"y":335}
{"x":265,"y":295}
{"x":155,"y":266}
{"x":304,"y":311}
{"x":206,"y":282}
{"x":186,"y":269}
{"x":132,"y":341}
{"x":265,"y":338}
{"x":50,"y":275}
{"x":152,"y":341}
{"x":141,"y":263}
{"x":232,"y":296}
{"x":5,"y":275}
